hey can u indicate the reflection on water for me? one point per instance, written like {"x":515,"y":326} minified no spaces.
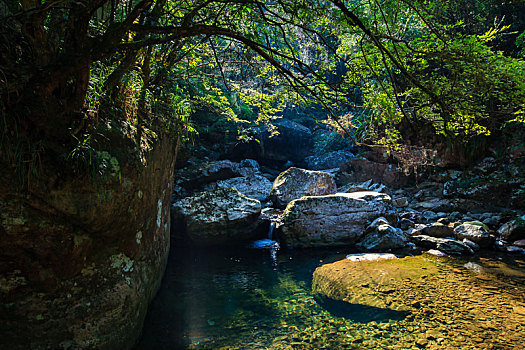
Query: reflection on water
{"x":247,"y":299}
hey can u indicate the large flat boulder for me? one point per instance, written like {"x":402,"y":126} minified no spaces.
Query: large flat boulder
{"x":221,"y":216}
{"x":295,"y":183}
{"x":333,"y":220}
{"x":371,"y":282}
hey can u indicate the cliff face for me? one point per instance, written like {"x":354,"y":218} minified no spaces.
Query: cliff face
{"x":80,"y":260}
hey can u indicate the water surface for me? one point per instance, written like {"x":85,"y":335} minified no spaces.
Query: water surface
{"x":252,"y":299}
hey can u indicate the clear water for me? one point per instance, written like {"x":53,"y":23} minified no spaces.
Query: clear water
{"x":256,"y":299}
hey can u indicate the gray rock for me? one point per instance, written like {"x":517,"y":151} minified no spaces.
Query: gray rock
{"x":492,"y":221}
{"x":515,"y":250}
{"x":474,"y":233}
{"x":254,"y":186}
{"x":248,"y":168}
{"x":438,"y":230}
{"x":436,"y":252}
{"x":329,"y":160}
{"x":473,"y":245}
{"x":400,"y":202}
{"x":333,"y":220}
{"x":383,"y":237}
{"x":520,"y":243}
{"x":446,"y":245}
{"x":513,"y":230}
{"x":474,"y":267}
{"x":222,"y":216}
{"x":405,"y":224}
{"x":376,"y":223}
{"x":430,"y":215}
{"x":194,"y":178}
{"x":295,"y":183}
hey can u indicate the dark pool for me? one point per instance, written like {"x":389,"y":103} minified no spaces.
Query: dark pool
{"x":255,"y":299}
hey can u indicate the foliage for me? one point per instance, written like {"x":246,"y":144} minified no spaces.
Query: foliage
{"x":372,"y":68}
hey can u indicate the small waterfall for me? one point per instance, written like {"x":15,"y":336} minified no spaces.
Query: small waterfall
{"x":270,"y":230}
{"x":267,"y":243}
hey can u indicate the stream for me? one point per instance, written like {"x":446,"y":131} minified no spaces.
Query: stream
{"x":261,"y":298}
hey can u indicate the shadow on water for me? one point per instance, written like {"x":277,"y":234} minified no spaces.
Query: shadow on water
{"x":360,"y":313}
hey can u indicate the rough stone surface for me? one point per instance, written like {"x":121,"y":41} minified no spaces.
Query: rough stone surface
{"x":446,"y":245}
{"x":359,"y":169}
{"x":338,"y":219}
{"x":328,"y":161}
{"x":513,"y":230}
{"x":295,"y":183}
{"x":383,"y":237}
{"x":370,"y":283}
{"x":253,"y":186}
{"x":475,"y":233}
{"x":438,"y":230}
{"x":222,"y":216}
{"x":79,"y":263}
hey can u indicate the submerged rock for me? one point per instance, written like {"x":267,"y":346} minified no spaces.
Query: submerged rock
{"x":222,"y":216}
{"x":371,"y":283}
{"x":338,"y":219}
{"x":295,"y":183}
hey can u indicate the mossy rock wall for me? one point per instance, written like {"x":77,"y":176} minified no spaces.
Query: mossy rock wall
{"x":81,"y":260}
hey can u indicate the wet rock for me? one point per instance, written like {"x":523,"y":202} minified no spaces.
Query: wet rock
{"x":253,"y":186}
{"x":448,"y":246}
{"x":222,"y":216}
{"x":383,"y":237}
{"x":513,"y":230}
{"x":338,"y":219}
{"x":473,"y":245}
{"x":295,"y":183}
{"x":475,"y":233}
{"x":330,"y":160}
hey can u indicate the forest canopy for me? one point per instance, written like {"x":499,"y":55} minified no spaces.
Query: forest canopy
{"x":377,"y":69}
